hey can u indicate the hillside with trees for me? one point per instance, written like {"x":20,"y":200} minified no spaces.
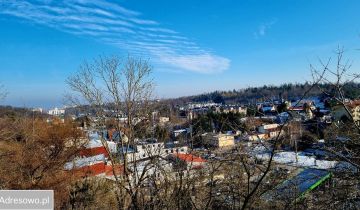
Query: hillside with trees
{"x":287,"y":91}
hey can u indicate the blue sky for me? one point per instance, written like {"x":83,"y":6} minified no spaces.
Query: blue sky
{"x":195,"y":46}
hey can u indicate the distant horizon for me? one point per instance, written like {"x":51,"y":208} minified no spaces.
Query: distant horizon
{"x":60,"y":106}
{"x":194,"y":47}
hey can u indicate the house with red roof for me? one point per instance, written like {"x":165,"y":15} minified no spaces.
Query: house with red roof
{"x":188,"y":160}
{"x":98,"y":169}
{"x":88,"y":152}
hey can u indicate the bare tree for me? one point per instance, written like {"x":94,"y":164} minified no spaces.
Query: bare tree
{"x":343,"y":136}
{"x":124,"y":86}
{"x":3,"y":92}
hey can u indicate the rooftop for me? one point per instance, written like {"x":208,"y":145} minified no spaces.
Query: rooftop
{"x":189,"y":158}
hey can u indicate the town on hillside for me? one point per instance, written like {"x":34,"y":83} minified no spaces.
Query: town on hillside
{"x":176,"y":141}
{"x":180,"y":105}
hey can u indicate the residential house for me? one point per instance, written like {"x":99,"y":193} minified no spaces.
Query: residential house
{"x":267,"y":107}
{"x":220,"y":140}
{"x":150,"y":148}
{"x":173,"y":147}
{"x":178,"y":132}
{"x":340,"y":112}
{"x":271,"y":130}
{"x":163,"y":120}
{"x":188,"y":160}
{"x":234,"y":109}
{"x":255,"y":136}
{"x":56,"y":111}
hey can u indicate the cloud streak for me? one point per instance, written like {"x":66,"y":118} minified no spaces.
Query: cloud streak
{"x":263,"y":28}
{"x":124,"y":28}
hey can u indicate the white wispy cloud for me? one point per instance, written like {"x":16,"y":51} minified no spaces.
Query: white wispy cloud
{"x":263,"y":28}
{"x":124,"y":28}
{"x":202,"y":63}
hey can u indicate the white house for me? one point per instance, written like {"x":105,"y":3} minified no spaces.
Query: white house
{"x":272,"y":130}
{"x":164,"y":120}
{"x":56,"y":111}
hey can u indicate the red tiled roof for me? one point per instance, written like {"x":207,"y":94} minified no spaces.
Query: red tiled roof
{"x":119,"y":169}
{"x":89,"y":152}
{"x":90,"y":170}
{"x":96,"y":169}
{"x":189,"y":158}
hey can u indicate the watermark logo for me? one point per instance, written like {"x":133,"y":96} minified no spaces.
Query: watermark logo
{"x":26,"y":199}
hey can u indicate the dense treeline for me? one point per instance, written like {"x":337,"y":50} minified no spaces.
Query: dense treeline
{"x":15,"y":112}
{"x":287,"y":91}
